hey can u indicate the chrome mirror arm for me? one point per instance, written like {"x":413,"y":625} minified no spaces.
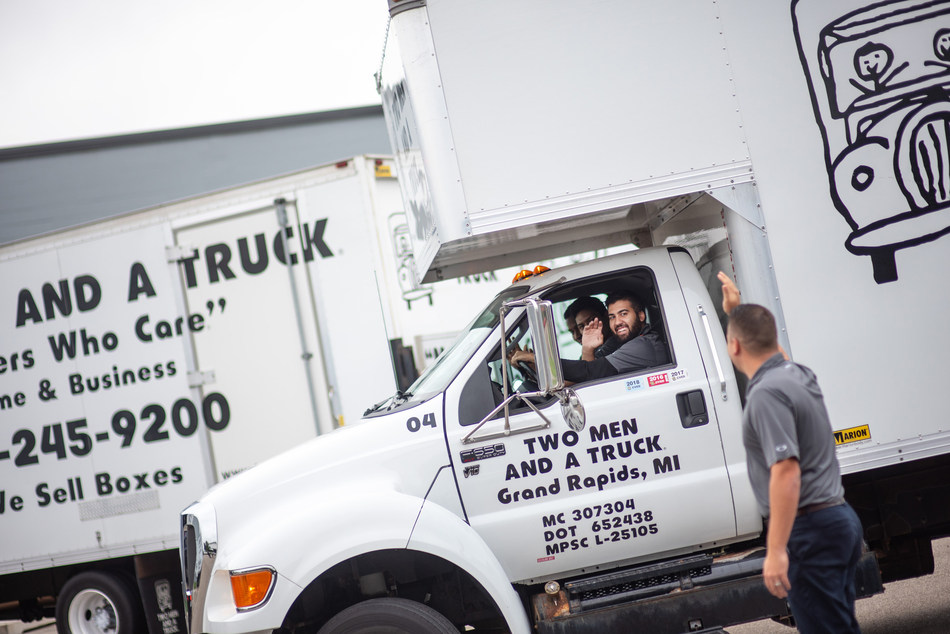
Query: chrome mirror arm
{"x":470,"y":437}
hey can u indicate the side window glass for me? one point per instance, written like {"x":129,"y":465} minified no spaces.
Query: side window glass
{"x":633,"y":334}
{"x":569,"y":327}
{"x":484,"y":390}
{"x":518,"y":380}
{"x":575,"y":306}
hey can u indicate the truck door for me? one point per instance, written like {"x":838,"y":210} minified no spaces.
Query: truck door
{"x":247,"y":339}
{"x":646,"y":476}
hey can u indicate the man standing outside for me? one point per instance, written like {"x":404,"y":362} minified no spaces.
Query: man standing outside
{"x":813,"y":542}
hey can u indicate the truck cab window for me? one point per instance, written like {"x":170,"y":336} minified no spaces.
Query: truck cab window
{"x":576,"y":306}
{"x":632,"y":338}
{"x":484,"y":391}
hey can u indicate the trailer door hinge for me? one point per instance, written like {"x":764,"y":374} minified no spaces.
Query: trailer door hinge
{"x":197,"y":379}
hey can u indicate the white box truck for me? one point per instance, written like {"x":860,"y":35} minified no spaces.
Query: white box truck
{"x":146,"y":357}
{"x":801,"y":146}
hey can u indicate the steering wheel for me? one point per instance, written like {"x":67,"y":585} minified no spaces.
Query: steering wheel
{"x":530,"y":373}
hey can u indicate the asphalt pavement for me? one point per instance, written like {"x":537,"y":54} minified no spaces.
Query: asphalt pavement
{"x":911,"y":606}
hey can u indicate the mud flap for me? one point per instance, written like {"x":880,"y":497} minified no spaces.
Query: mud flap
{"x":159,"y":582}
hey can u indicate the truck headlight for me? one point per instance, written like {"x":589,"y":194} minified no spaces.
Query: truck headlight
{"x":252,"y":587}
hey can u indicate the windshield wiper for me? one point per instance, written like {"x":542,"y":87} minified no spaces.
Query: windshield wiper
{"x":400,"y":397}
{"x":375,"y":408}
{"x":396,"y":399}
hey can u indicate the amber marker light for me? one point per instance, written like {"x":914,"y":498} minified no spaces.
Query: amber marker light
{"x":525,"y":273}
{"x":251,"y":588}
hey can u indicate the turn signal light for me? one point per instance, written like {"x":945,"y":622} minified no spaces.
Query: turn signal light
{"x":525,"y":273}
{"x":250,"y":588}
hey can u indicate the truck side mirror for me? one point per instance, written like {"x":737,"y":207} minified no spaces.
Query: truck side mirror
{"x":550,"y":376}
{"x":544,"y":339}
{"x":548,"y":362}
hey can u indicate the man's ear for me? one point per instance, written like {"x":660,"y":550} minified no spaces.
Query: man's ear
{"x":734,"y":346}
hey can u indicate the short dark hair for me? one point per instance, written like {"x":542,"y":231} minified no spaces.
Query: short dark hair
{"x":754,"y":327}
{"x":585,"y":303}
{"x":625,"y":295}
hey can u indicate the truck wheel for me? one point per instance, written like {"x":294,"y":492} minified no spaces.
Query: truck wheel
{"x":98,"y":603}
{"x":388,"y":616}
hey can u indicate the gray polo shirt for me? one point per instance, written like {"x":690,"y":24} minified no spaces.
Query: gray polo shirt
{"x":785,"y":417}
{"x":646,"y":350}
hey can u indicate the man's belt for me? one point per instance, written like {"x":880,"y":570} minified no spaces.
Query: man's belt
{"x":812,"y":508}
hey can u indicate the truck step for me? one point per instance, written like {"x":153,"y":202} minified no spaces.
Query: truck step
{"x":699,"y":593}
{"x":617,"y":587}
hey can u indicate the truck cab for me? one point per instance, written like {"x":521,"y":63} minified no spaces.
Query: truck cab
{"x":445,"y":497}
{"x":656,"y":441}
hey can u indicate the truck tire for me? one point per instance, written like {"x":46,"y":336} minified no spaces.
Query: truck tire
{"x":98,"y":603}
{"x":388,"y":616}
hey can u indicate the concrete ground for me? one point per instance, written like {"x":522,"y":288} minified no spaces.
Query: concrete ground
{"x":15,"y":627}
{"x":911,"y":606}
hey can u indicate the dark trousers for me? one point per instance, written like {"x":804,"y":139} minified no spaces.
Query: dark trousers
{"x":823,"y":552}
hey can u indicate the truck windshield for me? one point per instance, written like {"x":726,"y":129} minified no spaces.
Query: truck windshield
{"x":437,"y":376}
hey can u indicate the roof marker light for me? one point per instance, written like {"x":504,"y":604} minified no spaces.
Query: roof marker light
{"x":525,"y":273}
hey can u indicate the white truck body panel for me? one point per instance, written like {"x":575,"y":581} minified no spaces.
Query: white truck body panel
{"x":59,"y":490}
{"x":659,"y":97}
{"x":493,"y":106}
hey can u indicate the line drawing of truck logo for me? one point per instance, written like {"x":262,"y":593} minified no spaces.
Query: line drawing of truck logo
{"x":405,"y":261}
{"x":879,"y":79}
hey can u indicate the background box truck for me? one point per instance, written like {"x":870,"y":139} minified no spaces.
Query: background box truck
{"x":146,"y":357}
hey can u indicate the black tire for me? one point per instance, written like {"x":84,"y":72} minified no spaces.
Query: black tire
{"x":99,"y":603}
{"x":388,"y":616}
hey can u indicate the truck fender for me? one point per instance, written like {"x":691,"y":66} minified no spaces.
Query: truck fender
{"x":353,"y":521}
{"x":349,"y":521}
{"x":445,"y":535}
{"x":310,"y":536}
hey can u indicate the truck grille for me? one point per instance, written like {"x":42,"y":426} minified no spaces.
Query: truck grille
{"x":199,"y":548}
{"x":189,"y":553}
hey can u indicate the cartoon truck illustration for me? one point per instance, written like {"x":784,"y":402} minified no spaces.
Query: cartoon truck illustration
{"x":879,"y":78}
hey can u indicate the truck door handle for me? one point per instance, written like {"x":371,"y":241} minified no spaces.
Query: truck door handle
{"x":692,"y":406}
{"x":715,"y":356}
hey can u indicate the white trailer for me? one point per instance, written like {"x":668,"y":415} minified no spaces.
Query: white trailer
{"x":146,"y":357}
{"x":801,"y":146}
